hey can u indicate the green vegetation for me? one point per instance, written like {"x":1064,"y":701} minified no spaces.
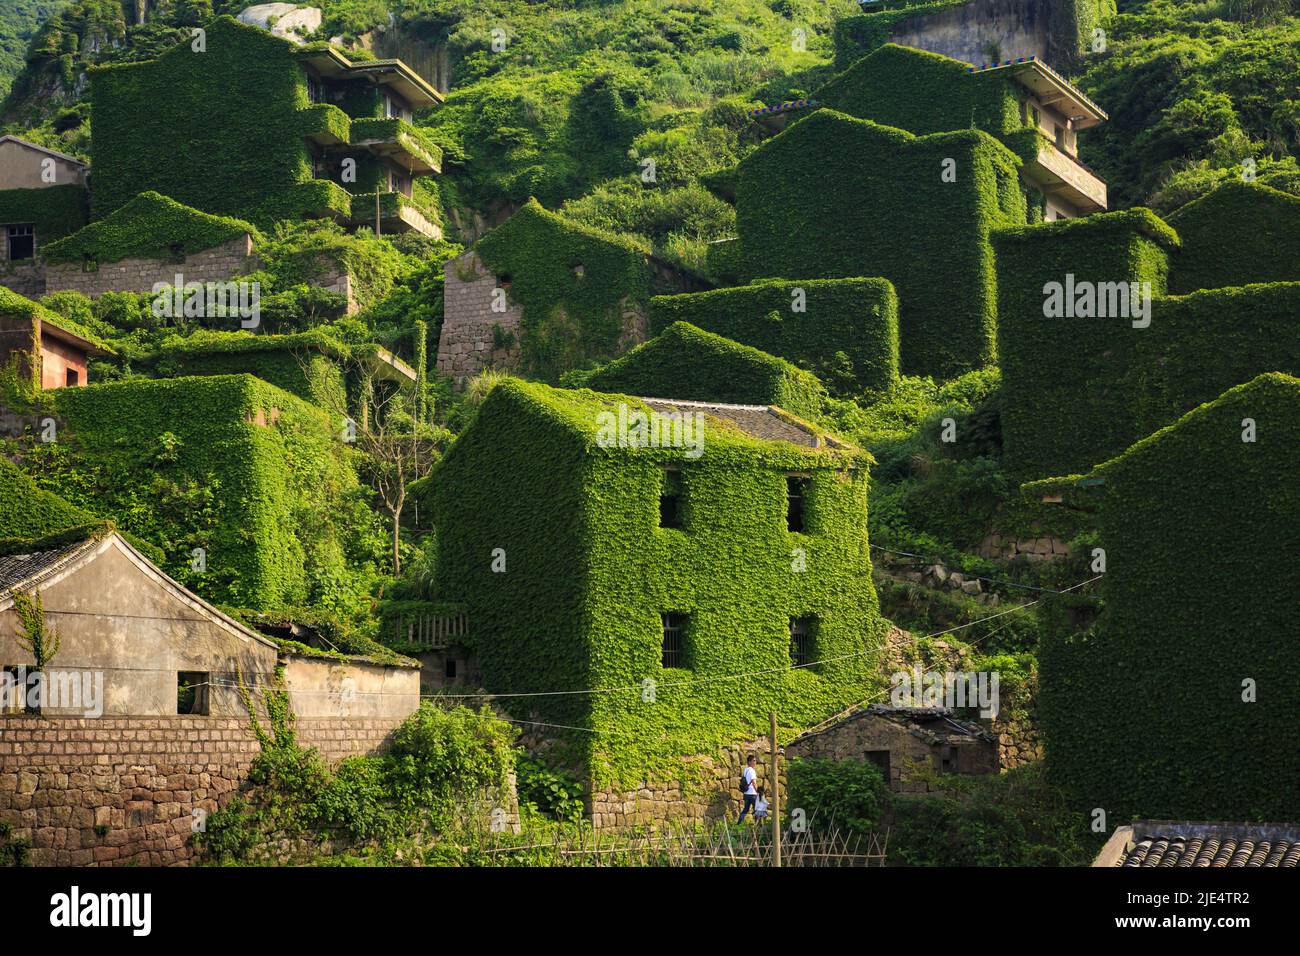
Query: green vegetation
{"x":442,"y":776}
{"x":843,"y":330}
{"x":1236,"y":235}
{"x":1077,"y":390}
{"x":832,"y":221}
{"x":688,"y":363}
{"x":251,"y":474}
{"x":53,"y":211}
{"x":573,"y":282}
{"x":589,"y":573}
{"x":150,"y":226}
{"x":1190,"y":660}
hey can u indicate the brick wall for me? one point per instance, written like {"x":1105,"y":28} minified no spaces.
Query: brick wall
{"x":465,"y":345}
{"x":122,"y":790}
{"x":218,"y":264}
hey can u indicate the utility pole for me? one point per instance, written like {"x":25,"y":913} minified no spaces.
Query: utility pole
{"x":776,"y":798}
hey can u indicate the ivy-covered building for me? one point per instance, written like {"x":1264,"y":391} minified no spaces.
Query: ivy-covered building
{"x":42,"y":349}
{"x":238,"y":122}
{"x":1120,"y":357}
{"x":674,"y":593}
{"x":542,"y":294}
{"x":1179,"y":703}
{"x":42,"y":198}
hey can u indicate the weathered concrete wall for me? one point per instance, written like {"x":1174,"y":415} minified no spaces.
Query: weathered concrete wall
{"x":466,"y":344}
{"x":218,"y":264}
{"x":124,"y":790}
{"x":22,"y":167}
{"x":125,"y":624}
{"x":970,"y":32}
{"x":57,"y":360}
{"x":324,"y":688}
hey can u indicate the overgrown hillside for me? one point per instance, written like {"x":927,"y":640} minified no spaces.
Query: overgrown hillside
{"x":19,"y":21}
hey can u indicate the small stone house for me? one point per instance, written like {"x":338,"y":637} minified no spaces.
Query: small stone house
{"x":46,"y":349}
{"x":542,"y":284}
{"x":42,"y":198}
{"x":142,"y":722}
{"x":905,"y":743}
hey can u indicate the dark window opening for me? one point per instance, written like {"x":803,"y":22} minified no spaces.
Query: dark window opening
{"x":674,"y":649}
{"x":800,"y":641}
{"x":796,"y":489}
{"x":948,"y":760}
{"x":21,"y":690}
{"x":879,"y":758}
{"x":22,"y":243}
{"x":670,"y":501}
{"x":192,"y":693}
{"x":313,"y":90}
{"x":72,"y":378}
{"x":450,"y":669}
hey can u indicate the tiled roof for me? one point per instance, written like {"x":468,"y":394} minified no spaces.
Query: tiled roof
{"x":16,"y":570}
{"x":934,"y":725}
{"x":758,"y":421}
{"x":1214,"y":845}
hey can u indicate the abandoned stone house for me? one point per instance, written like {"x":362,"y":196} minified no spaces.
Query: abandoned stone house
{"x":140,"y":724}
{"x":44,"y":348}
{"x":484,"y":322}
{"x":908,"y":744}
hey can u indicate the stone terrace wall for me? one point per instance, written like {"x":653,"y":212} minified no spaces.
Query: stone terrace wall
{"x":122,"y":790}
{"x":714,"y":791}
{"x":465,"y":345}
{"x":218,"y":264}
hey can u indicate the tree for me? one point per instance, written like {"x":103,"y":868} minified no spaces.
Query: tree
{"x":38,"y":638}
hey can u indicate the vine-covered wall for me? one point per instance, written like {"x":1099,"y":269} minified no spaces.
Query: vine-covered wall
{"x":1238,"y":234}
{"x":1180,"y":702}
{"x":833,"y":196}
{"x":573,"y":283}
{"x":588,"y":572}
{"x":1076,"y":391}
{"x":249,"y":473}
{"x":688,"y":363}
{"x":54,"y":211}
{"x":149,"y":226}
{"x":846,"y":332}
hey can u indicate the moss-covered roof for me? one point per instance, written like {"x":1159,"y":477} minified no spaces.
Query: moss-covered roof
{"x":31,"y":517}
{"x":1139,"y":219}
{"x":150,"y":226}
{"x":207,"y":342}
{"x":584,"y":414}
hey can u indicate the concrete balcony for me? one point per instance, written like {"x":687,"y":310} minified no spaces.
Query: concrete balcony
{"x":399,"y":142}
{"x":1061,"y":176}
{"x":395,"y":213}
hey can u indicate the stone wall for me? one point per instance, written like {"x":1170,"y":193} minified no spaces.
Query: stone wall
{"x":1042,"y":547}
{"x":710,"y":792}
{"x":467,"y":343}
{"x":123,"y":790}
{"x":909,"y":754}
{"x":218,"y":264}
{"x":1019,"y":741}
{"x":27,"y":279}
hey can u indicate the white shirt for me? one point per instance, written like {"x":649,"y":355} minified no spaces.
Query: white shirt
{"x":750,"y":776}
{"x":760,"y":808}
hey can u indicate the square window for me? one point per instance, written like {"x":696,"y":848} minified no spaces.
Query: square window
{"x":670,"y":500}
{"x":796,"y":487}
{"x":801,"y":641}
{"x":674,"y":639}
{"x":22,"y":243}
{"x":880,"y":759}
{"x":192,"y":692}
{"x":450,"y":669}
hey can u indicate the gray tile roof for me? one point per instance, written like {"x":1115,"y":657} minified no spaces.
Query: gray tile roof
{"x":1212,"y":845}
{"x":759,"y":421}
{"x":16,"y":570}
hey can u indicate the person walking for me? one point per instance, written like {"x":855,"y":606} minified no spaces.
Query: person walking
{"x":748,"y":789}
